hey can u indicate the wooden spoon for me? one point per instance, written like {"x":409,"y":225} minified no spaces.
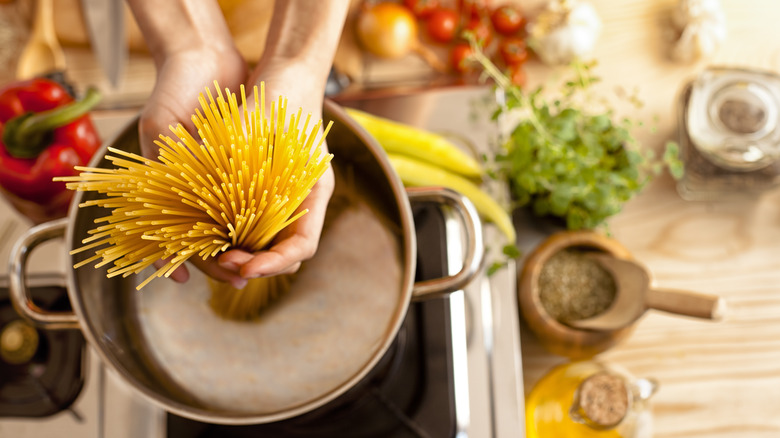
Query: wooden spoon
{"x":43,"y":53}
{"x":634,"y":296}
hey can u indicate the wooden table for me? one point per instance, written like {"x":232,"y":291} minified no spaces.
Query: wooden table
{"x":717,"y":379}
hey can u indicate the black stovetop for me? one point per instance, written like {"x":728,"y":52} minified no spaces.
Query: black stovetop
{"x":53,"y":377}
{"x":410,"y":393}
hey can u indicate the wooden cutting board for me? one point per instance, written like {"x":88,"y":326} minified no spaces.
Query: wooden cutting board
{"x":248,"y":21}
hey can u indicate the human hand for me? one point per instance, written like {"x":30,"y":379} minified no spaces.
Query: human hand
{"x":296,"y":59}
{"x":181,"y":77}
{"x":298,"y":241}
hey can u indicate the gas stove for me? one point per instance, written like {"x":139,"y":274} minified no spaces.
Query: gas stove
{"x":453,"y":371}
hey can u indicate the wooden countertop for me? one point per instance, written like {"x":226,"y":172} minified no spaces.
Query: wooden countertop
{"x":717,"y":379}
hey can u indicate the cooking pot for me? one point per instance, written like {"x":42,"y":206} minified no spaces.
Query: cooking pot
{"x":318,"y":340}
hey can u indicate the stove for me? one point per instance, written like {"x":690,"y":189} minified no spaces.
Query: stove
{"x":41,"y":371}
{"x":411,"y":391}
{"x":454,"y":369}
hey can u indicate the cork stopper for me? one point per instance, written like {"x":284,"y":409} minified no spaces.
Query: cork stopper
{"x":603,"y":400}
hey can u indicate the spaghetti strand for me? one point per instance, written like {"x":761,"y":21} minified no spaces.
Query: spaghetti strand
{"x":236,"y":186}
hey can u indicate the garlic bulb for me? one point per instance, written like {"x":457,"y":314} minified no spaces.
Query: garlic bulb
{"x":563,"y":31}
{"x":701,"y":28}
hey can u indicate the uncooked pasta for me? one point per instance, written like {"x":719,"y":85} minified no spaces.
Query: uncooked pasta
{"x":246,"y":303}
{"x":237,"y":186}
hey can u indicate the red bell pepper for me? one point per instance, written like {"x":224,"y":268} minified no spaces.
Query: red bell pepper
{"x":45,"y":133}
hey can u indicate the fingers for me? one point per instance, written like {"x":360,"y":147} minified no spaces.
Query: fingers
{"x":293,"y":245}
{"x":179,"y":275}
{"x":210,"y":268}
{"x":213,"y":269}
{"x":283,"y":258}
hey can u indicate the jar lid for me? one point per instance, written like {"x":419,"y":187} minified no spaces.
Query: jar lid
{"x":603,"y":400}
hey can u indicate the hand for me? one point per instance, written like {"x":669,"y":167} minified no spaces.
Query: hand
{"x":297,"y":56}
{"x":181,"y":77}
{"x":299,"y":241}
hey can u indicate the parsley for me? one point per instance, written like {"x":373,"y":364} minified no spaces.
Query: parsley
{"x":567,"y":160}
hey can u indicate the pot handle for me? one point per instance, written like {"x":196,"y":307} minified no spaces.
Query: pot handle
{"x":17,"y":284}
{"x":474,"y":251}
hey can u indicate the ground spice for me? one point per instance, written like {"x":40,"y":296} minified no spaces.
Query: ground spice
{"x":572,"y":286}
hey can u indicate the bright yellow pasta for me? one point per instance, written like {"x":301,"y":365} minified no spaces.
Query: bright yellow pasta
{"x":236,"y":187}
{"x":245,"y":304}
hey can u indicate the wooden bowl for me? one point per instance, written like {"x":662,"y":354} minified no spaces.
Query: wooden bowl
{"x":556,"y":337}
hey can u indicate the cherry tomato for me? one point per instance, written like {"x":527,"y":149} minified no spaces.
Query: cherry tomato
{"x":517,"y":75}
{"x":513,"y":50}
{"x":459,"y":58}
{"x":481,"y":30}
{"x":442,"y":25}
{"x":422,"y":9}
{"x":473,"y":8}
{"x":507,"y":19}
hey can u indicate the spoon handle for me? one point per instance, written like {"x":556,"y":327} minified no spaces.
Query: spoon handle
{"x":683,"y":302}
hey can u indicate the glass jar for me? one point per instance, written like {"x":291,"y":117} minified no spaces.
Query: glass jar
{"x":729,"y":135}
{"x":589,"y":399}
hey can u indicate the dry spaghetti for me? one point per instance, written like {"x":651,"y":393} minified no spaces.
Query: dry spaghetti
{"x":237,"y":187}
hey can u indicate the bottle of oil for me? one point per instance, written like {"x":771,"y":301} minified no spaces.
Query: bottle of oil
{"x":589,"y":399}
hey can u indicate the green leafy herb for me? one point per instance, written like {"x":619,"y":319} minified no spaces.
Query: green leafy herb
{"x":510,"y":252}
{"x":564,"y":158}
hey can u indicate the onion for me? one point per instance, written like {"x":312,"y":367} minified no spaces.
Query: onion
{"x":389,"y":30}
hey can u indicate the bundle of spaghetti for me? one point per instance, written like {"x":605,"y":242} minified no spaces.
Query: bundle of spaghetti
{"x":247,"y":302}
{"x":237,"y":187}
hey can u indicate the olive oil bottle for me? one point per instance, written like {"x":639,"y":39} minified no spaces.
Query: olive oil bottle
{"x":589,"y":399}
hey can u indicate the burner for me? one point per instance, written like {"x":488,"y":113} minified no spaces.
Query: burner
{"x":41,"y":371}
{"x":409,"y":393}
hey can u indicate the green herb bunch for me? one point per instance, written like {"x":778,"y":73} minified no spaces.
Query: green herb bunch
{"x":565,"y":159}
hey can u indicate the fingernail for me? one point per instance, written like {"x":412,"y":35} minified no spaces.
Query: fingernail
{"x":230,"y":266}
{"x":239,"y":283}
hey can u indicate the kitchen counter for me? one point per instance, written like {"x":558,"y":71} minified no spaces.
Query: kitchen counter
{"x":716,"y":379}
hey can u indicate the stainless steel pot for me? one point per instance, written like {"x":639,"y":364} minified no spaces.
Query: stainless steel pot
{"x":318,"y":341}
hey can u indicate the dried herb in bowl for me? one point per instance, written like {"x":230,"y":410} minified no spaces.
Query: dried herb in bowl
{"x":572,"y":286}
